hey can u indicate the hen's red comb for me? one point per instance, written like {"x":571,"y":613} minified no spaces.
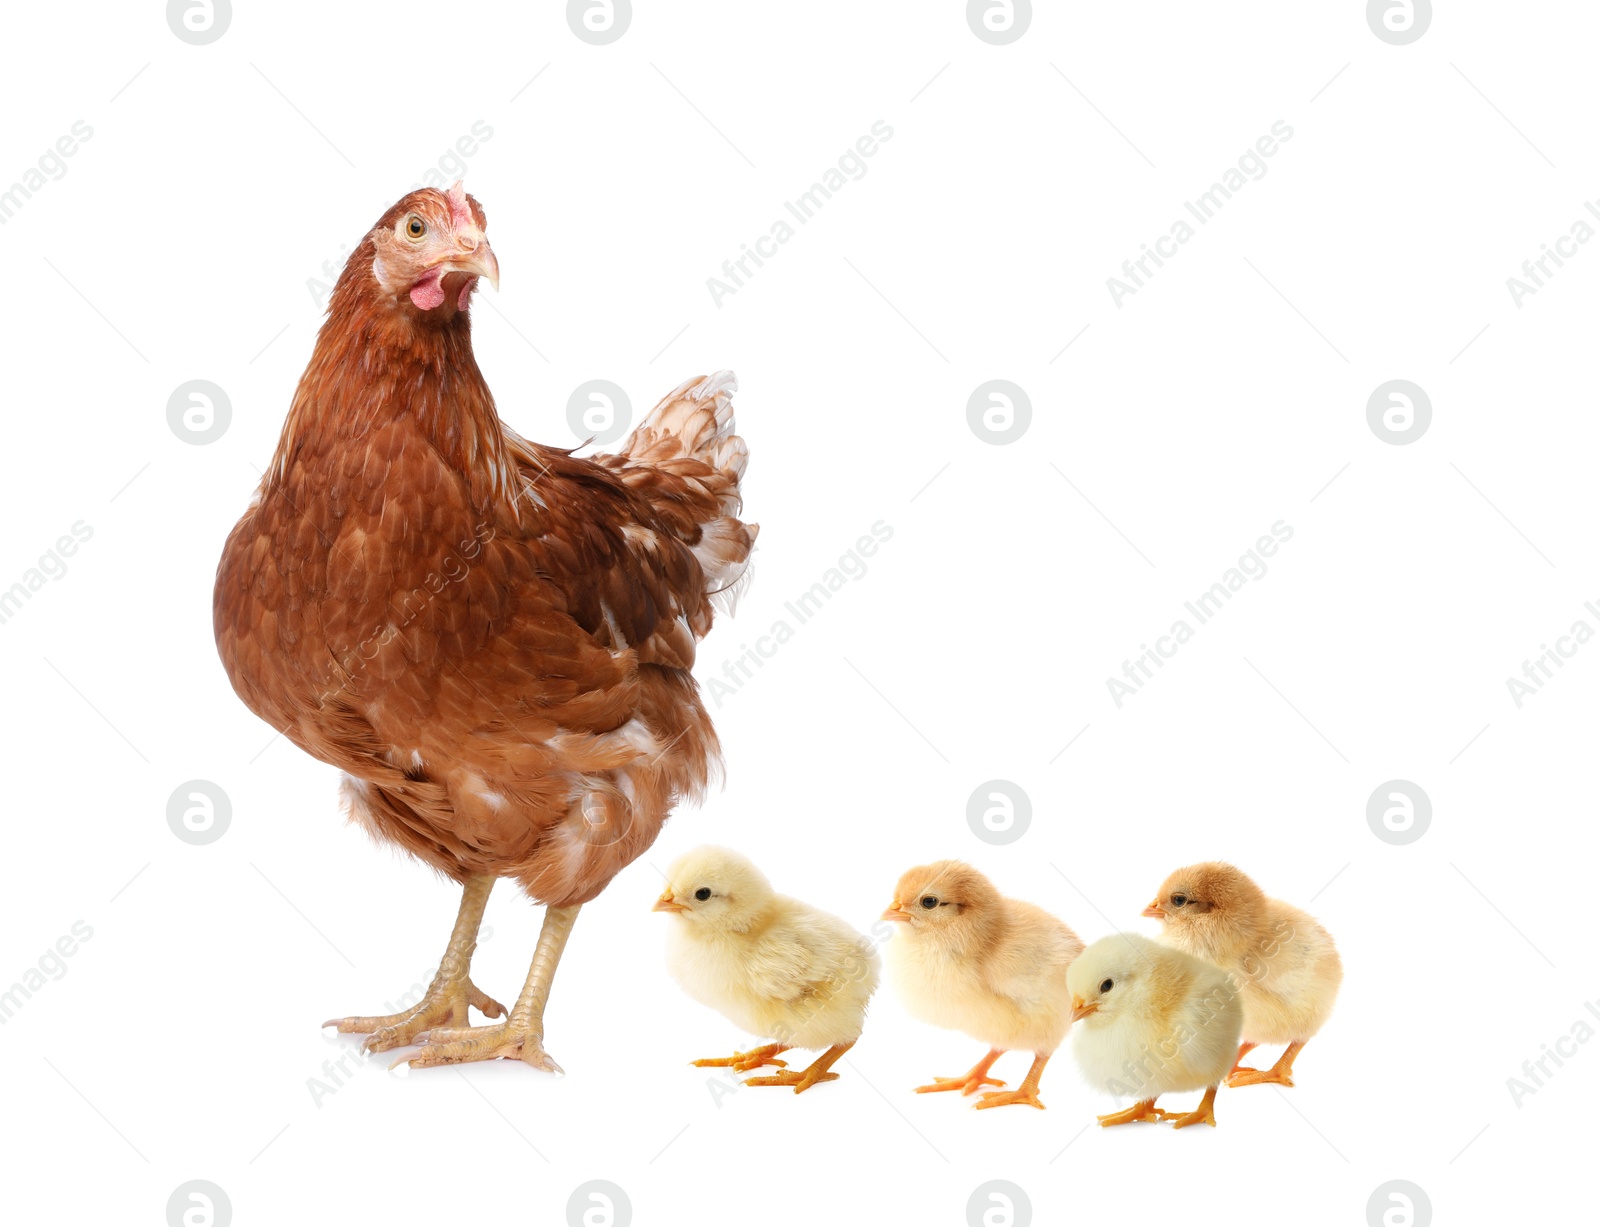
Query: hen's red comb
{"x":460,"y":214}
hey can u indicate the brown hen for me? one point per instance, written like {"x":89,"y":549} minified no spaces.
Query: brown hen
{"x":491,"y":638}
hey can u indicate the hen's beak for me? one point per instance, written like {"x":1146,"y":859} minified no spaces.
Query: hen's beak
{"x":668,"y":904}
{"x":895,"y":912}
{"x":1154,"y":911}
{"x":475,"y":257}
{"x":1080,"y":1009}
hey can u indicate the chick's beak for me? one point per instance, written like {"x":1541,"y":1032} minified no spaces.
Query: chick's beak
{"x":895,"y":912}
{"x":1154,"y":911}
{"x":668,"y":904}
{"x":474,"y":257}
{"x":1082,"y":1010}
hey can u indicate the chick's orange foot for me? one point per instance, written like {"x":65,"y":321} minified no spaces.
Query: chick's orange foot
{"x":741,"y":1062}
{"x":1243,"y":1075}
{"x":1144,"y":1110}
{"x":804,"y":1079}
{"x":974,"y":1080}
{"x":999,"y":1099}
{"x":1201,"y":1115}
{"x":443,"y":1005}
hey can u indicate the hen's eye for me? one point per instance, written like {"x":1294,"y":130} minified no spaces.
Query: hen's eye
{"x":1179,"y":900}
{"x":703,"y":893}
{"x":1105,"y":986}
{"x":415,"y":227}
{"x":929,"y":901}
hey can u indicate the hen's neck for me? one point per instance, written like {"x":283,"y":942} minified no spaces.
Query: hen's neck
{"x":372,"y":367}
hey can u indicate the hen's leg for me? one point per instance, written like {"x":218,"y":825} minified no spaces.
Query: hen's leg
{"x":974,"y":1079}
{"x":803,"y":1079}
{"x":520,"y":1037}
{"x":1279,"y":1073}
{"x":1027,"y":1091}
{"x":451,"y":992}
{"x":742,"y":1061}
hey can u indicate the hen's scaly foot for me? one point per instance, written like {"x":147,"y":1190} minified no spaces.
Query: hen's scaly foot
{"x":458,"y":1045}
{"x":967,"y":1084}
{"x":754,"y":1059}
{"x":1144,"y":1110}
{"x":999,"y":1099}
{"x":443,"y":1005}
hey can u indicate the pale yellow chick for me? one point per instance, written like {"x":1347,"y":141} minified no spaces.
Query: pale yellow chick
{"x":772,"y":965}
{"x":967,"y":958}
{"x":1286,"y":964}
{"x":1150,"y":1020}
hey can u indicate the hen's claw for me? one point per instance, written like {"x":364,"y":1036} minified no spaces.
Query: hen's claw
{"x":999,"y":1099}
{"x":967,"y":1084}
{"x":1144,"y":1110}
{"x":458,"y":1045}
{"x":1245,"y":1076}
{"x":446,"y":1005}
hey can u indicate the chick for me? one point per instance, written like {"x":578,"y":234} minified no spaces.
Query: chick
{"x":967,"y":958}
{"x":1285,"y":962}
{"x":773,"y":965}
{"x":1152,"y":1019}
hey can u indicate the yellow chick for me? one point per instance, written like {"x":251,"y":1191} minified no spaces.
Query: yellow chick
{"x":773,"y":965}
{"x":1286,"y":964}
{"x":1152,"y":1019}
{"x":967,"y":958}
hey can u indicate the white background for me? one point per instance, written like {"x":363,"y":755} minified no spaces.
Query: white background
{"x":1224,"y":396}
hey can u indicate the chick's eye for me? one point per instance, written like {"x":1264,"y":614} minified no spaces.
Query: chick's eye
{"x":929,"y":901}
{"x":1179,"y":900}
{"x":1105,"y":986}
{"x":703,"y":893}
{"x":415,"y":227}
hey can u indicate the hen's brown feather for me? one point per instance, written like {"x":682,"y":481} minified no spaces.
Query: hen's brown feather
{"x":491,"y":638}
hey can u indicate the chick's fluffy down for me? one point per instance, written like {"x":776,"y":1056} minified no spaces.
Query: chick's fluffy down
{"x":1169,"y":1021}
{"x":775,"y":966}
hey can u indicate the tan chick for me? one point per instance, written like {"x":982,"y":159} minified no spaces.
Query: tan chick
{"x":1152,"y":1020}
{"x":1286,"y":964}
{"x":967,"y":958}
{"x":775,"y":966}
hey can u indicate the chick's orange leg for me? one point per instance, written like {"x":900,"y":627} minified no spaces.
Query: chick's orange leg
{"x":803,"y":1079}
{"x":452,"y":991}
{"x":975,"y":1079}
{"x":1244,"y":1048}
{"x":1279,"y":1073}
{"x":754,"y":1059}
{"x":1145,"y":1109}
{"x":1027,"y":1092}
{"x":521,"y":1036}
{"x":1202,"y":1114}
